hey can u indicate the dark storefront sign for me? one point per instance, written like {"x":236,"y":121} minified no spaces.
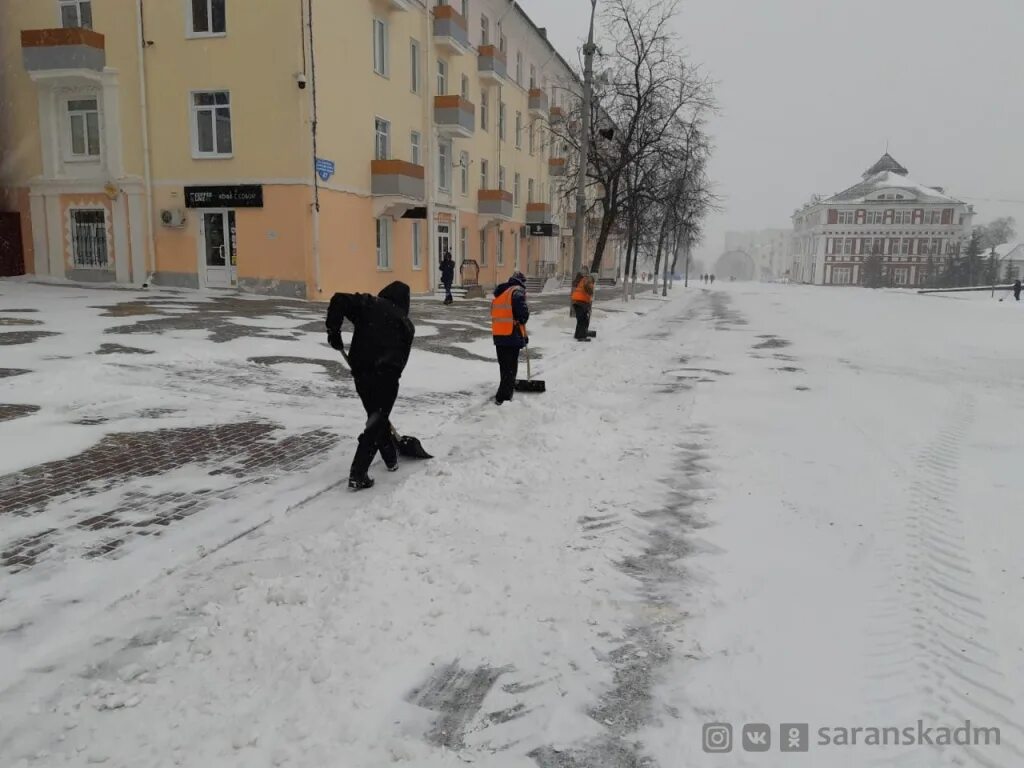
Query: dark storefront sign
{"x":542,"y":230}
{"x":234,"y":196}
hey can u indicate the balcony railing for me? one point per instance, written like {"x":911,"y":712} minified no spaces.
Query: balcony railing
{"x":538,"y":102}
{"x":495,"y":204}
{"x":450,"y":30}
{"x":454,"y":116}
{"x":492,"y":64}
{"x":556,"y":115}
{"x":538,"y":213}
{"x":67,"y":48}
{"x":556,"y":166}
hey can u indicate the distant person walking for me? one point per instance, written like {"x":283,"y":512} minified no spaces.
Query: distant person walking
{"x":447,"y":275}
{"x":582,"y":302}
{"x":1016,"y":290}
{"x":712,"y":279}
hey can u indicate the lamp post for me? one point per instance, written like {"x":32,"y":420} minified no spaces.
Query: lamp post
{"x":581,"y":195}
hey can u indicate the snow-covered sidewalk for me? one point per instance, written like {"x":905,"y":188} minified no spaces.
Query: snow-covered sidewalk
{"x":751,"y":504}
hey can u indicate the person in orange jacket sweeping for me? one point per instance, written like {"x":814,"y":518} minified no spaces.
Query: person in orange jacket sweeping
{"x":509,"y":315}
{"x":582,"y":301}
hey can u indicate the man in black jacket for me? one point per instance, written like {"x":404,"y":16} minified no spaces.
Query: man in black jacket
{"x":380,"y":350}
{"x":509,"y":315}
{"x":447,"y":275}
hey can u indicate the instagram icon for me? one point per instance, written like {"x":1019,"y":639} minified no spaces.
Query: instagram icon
{"x":717,"y":737}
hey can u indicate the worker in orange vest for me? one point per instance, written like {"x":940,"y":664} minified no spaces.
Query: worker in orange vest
{"x":509,"y":313}
{"x":582,"y":301}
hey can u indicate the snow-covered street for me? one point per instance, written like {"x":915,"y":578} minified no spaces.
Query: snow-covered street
{"x":751,"y":504}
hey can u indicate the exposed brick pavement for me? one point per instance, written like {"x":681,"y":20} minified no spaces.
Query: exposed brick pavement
{"x":10,"y":411}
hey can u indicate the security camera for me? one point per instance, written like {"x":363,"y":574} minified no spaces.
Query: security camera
{"x":300,"y":79}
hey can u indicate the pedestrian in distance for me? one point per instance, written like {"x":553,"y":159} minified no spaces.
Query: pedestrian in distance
{"x":509,"y":315}
{"x":712,"y":278}
{"x":447,"y":275}
{"x":583,"y":300}
{"x":381,"y":343}
{"x":1016,"y":290}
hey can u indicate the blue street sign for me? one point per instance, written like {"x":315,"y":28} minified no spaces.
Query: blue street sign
{"x":324,"y":168}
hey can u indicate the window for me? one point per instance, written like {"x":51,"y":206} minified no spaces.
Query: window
{"x":464,"y":164}
{"x":442,"y":77}
{"x":382,"y":139}
{"x":894,"y":246}
{"x":414,"y":73}
{"x":208,"y":17}
{"x":519,"y":67}
{"x":841,"y":275}
{"x":517,"y":184}
{"x":529,"y":190}
{"x":444,"y":166}
{"x":383,"y":243}
{"x":901,"y":275}
{"x":414,"y":140}
{"x":935,"y":217}
{"x":483,"y":110}
{"x":519,"y":130}
{"x":483,"y":174}
{"x":465,"y":87}
{"x":923,"y":247}
{"x":936,"y":246}
{"x":84,"y":122}
{"x":89,"y":238}
{"x":501,"y":177}
{"x":76,"y":13}
{"x":464,"y":243}
{"x":417,"y":241}
{"x":848,"y":246}
{"x":501,"y":247}
{"x":874,"y":217}
{"x":532,"y":138}
{"x":533,"y":76}
{"x":465,"y":9}
{"x":485,"y":30}
{"x":502,"y":43}
{"x":845,"y":217}
{"x":501,"y":121}
{"x":380,"y":47}
{"x":483,"y":247}
{"x":212,"y":123}
{"x":905,"y":246}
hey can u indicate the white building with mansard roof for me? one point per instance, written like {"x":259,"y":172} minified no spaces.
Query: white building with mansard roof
{"x":909,"y":225}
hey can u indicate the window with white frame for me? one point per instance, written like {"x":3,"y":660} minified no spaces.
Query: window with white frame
{"x":83,"y":129}
{"x":516,"y":184}
{"x":484,"y":173}
{"x":384,"y":243}
{"x":464,"y":172}
{"x":415,"y":140}
{"x":841,"y":275}
{"x":529,"y":190}
{"x":465,"y":88}
{"x":89,"y":237}
{"x":381,"y":139}
{"x":485,"y":30}
{"x":442,"y":77}
{"x":380,"y":47}
{"x":501,"y":247}
{"x":533,"y":76}
{"x":208,"y":17}
{"x":465,"y":9}
{"x":501,"y":121}
{"x":501,"y":177}
{"x":532,"y":137}
{"x":519,"y":67}
{"x":75,"y":13}
{"x":901,"y":275}
{"x":483,"y":247}
{"x":444,"y":166}
{"x":483,"y":109}
{"x":502,"y":43}
{"x":464,"y":243}
{"x":417,"y":245}
{"x":414,"y":64}
{"x":519,"y":130}
{"x":211,"y":113}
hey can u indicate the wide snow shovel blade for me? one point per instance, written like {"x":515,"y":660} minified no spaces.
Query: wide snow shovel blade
{"x":530,"y":384}
{"x":409,"y":447}
{"x":592,"y":334}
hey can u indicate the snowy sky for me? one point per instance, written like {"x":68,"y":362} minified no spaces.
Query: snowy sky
{"x":811,"y":90}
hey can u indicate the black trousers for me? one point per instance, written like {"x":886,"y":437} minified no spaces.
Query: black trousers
{"x":448,"y":293}
{"x":582,"y":319}
{"x":378,"y":393}
{"x":508,"y":363}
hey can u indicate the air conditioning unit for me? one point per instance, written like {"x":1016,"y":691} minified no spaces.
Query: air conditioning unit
{"x":174,"y":217}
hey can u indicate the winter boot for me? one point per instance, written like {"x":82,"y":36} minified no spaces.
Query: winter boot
{"x":359,"y":483}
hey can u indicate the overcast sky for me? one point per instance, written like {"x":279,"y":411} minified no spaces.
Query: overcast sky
{"x":811,"y":90}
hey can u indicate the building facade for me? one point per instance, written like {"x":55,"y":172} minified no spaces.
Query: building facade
{"x":297,"y":148}
{"x":768,"y":249}
{"x":887,"y":225}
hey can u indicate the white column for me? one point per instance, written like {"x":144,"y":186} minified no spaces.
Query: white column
{"x":55,"y":236}
{"x":122,"y":256}
{"x":111,"y":118}
{"x":40,"y":239}
{"x":136,"y":229}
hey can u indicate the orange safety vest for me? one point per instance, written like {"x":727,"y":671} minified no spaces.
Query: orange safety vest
{"x":579,"y":294}
{"x":502,"y":320}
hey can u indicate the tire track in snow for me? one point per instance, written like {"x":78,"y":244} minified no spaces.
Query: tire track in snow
{"x":935,"y":638}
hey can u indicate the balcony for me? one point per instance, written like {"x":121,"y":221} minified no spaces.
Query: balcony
{"x":538,"y":103}
{"x":454,"y":116}
{"x":495,"y":205}
{"x":397,"y":186}
{"x":53,"y":50}
{"x":450,"y":31}
{"x":556,"y":166}
{"x":492,"y":65}
{"x":556,"y":115}
{"x":538,"y":213}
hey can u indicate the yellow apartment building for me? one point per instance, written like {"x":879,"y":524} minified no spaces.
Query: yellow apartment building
{"x":288,"y":147}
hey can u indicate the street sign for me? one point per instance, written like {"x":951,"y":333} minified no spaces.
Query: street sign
{"x":542,"y":230}
{"x":324,"y":168}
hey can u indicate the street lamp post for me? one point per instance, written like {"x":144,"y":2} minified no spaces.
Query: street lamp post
{"x":581,"y":183}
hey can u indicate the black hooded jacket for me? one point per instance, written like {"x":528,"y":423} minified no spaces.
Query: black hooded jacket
{"x":383,"y":332}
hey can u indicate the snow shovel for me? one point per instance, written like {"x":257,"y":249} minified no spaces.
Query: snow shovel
{"x":530,"y":384}
{"x":409,"y":447}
